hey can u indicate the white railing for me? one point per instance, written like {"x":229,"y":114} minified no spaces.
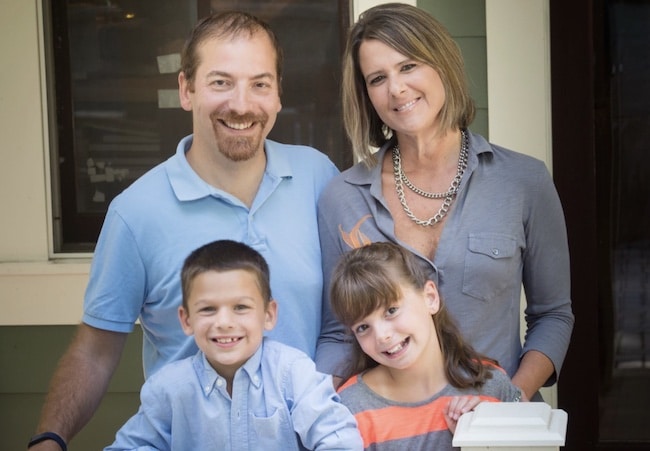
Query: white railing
{"x":511,"y":426}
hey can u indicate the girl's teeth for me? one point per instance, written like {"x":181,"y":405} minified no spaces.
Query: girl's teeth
{"x":395,"y":349}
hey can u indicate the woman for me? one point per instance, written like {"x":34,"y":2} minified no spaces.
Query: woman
{"x":482,"y":219}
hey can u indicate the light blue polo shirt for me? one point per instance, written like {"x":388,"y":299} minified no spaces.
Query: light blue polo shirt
{"x":153,"y":225}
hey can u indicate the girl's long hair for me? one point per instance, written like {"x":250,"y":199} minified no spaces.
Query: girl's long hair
{"x":369,"y":278}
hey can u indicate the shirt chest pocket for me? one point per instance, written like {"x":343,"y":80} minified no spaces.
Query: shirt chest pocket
{"x":274,"y":432}
{"x":491,"y":265}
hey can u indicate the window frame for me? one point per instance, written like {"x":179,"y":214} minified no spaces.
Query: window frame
{"x":76,"y":231}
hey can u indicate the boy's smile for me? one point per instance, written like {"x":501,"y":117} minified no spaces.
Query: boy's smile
{"x":227,"y":316}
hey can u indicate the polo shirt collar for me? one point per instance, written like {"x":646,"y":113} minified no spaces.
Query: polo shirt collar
{"x":187,"y":185}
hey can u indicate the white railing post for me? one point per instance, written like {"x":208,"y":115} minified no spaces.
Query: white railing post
{"x":511,"y":426}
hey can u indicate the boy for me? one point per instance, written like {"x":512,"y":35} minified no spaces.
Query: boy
{"x":241,"y":390}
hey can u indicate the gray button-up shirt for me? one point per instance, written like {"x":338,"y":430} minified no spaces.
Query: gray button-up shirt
{"x":505,"y":229}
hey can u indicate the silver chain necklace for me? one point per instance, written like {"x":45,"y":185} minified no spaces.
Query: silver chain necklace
{"x":448,"y":196}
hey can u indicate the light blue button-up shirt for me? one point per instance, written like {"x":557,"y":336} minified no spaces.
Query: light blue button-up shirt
{"x":279,"y":402}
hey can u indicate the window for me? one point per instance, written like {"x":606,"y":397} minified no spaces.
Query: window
{"x":112,"y":85}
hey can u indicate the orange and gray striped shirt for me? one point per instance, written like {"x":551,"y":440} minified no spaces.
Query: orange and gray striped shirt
{"x":387,"y":425}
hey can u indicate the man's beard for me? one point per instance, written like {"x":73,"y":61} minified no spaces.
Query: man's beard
{"x":238,"y":148}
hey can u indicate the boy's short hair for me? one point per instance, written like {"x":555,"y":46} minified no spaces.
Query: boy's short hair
{"x":222,"y":256}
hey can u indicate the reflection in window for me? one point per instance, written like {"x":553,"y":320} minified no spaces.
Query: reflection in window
{"x":112,"y":81}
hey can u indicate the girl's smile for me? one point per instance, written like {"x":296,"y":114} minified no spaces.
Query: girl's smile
{"x":398,"y":336}
{"x":398,"y":349}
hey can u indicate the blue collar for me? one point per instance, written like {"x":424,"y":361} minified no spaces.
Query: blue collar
{"x":188,"y":186}
{"x":208,"y":377}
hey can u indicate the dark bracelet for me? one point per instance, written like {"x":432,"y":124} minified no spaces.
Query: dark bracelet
{"x":38,"y":438}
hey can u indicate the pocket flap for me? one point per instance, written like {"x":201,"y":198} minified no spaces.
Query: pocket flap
{"x":492,"y":244}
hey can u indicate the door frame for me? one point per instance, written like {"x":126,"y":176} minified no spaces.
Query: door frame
{"x":581,"y":147}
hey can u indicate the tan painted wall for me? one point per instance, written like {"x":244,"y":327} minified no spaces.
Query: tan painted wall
{"x":40,"y":289}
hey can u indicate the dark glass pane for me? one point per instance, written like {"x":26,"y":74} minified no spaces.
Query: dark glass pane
{"x":115,"y":69}
{"x":311,"y":34}
{"x":626,"y":391}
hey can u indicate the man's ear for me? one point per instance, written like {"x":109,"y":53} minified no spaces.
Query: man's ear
{"x":432,"y":297}
{"x":184,"y":90}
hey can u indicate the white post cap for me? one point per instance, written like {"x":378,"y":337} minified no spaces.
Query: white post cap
{"x":511,"y":424}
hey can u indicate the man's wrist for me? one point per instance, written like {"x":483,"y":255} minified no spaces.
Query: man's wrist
{"x":38,"y":438}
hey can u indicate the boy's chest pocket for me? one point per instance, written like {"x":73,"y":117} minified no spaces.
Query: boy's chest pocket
{"x":272,"y":432}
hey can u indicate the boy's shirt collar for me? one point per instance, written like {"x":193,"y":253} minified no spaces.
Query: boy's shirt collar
{"x":211,"y":380}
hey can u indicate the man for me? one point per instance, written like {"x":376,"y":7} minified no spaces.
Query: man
{"x":226,"y":181}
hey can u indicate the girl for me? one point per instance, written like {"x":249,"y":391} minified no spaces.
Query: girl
{"x":412,"y":374}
